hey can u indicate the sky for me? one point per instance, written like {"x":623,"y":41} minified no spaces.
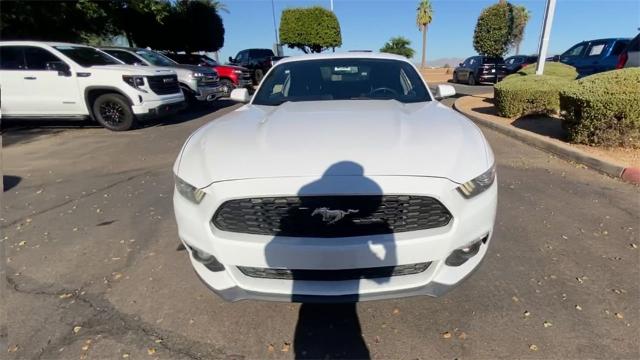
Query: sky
{"x":368,"y":24}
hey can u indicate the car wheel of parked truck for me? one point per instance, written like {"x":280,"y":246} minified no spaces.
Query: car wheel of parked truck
{"x":258,"y":75}
{"x":227,"y":87}
{"x":471,"y":80}
{"x":113,"y":112}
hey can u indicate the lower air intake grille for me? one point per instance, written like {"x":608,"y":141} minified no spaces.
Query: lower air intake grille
{"x":334,"y":275}
{"x":331,"y":216}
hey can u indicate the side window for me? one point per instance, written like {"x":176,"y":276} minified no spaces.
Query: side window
{"x":595,"y":48}
{"x":575,"y":51}
{"x":472,"y":61}
{"x":242,"y":56}
{"x":38,"y":58}
{"x":407,"y":87}
{"x":11,"y":58}
{"x":634,"y":45}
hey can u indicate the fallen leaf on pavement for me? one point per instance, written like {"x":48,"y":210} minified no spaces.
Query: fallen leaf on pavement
{"x":76,"y":329}
{"x":526,"y":313}
{"x":578,"y":307}
{"x":151,"y":351}
{"x":22,"y":243}
{"x":14,"y":348}
{"x":533,"y":347}
{"x":515,"y":299}
{"x":547,"y":324}
{"x":619,"y":315}
{"x":396,"y":311}
{"x":462,"y":335}
{"x":65,"y":296}
{"x":285,"y":347}
{"x":271,"y":348}
{"x":446,"y":335}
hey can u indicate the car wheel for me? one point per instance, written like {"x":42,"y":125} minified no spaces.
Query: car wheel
{"x":227,"y":87}
{"x":258,"y":76}
{"x":189,"y":97}
{"x":455,"y":78}
{"x":114,"y":112}
{"x":471,"y":80}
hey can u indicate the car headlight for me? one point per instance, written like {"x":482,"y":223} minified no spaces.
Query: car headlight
{"x":237,"y":71}
{"x":478,"y":185}
{"x":189,"y":191}
{"x":197,"y":75}
{"x":134,"y":81}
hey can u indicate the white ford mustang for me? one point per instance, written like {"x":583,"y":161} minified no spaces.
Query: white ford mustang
{"x":341,"y":180}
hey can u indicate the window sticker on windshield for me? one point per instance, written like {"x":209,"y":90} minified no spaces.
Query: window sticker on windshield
{"x":596,"y":50}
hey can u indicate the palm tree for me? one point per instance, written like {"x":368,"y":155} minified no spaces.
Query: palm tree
{"x":423,"y":19}
{"x":521,"y":17}
{"x":398,"y":45}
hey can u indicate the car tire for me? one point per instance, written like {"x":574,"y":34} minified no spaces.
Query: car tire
{"x":227,"y":86}
{"x":189,"y":97}
{"x":114,"y":112}
{"x":454,"y":78}
{"x":258,"y":75}
{"x":471,"y":80}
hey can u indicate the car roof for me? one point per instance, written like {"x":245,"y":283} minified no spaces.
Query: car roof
{"x":345,"y":55}
{"x":121,"y":48}
{"x":36,"y":43}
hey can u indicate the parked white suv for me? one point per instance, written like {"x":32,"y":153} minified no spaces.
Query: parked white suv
{"x":196,"y":82}
{"x":342,"y":179}
{"x":59,"y":80}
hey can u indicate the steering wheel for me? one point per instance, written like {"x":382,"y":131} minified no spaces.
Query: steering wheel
{"x":383,"y":89}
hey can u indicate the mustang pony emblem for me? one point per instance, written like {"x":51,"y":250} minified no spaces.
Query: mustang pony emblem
{"x":332,"y":216}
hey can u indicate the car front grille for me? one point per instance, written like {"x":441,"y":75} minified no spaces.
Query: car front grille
{"x":164,"y":84}
{"x":334,"y":275}
{"x":208,"y":80}
{"x":331,"y":216}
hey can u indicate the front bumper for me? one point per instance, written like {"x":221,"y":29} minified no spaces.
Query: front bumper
{"x":209,"y":93}
{"x":153,"y":109}
{"x":473,"y":219}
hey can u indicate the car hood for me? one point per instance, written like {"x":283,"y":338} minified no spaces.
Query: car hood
{"x":385,"y":137}
{"x":195,"y":68}
{"x":233,"y":67}
{"x":136,"y":69}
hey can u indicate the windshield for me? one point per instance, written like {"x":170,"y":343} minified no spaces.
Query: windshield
{"x":87,"y":56}
{"x":155,"y":58}
{"x":342,"y":79}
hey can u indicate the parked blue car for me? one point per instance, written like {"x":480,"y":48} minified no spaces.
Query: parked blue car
{"x":594,"y":56}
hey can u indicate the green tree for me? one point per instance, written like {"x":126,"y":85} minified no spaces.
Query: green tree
{"x":311,"y":30}
{"x":521,"y":19}
{"x":398,"y":45}
{"x":493,"y":35}
{"x":424,"y":17}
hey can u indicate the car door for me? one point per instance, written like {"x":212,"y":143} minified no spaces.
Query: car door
{"x":13,"y":92}
{"x":593,"y":59}
{"x":574,"y":56}
{"x":462,"y":73}
{"x":55,"y":92}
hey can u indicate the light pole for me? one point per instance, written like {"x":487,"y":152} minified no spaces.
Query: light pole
{"x":544,"y":36}
{"x":275,"y":27}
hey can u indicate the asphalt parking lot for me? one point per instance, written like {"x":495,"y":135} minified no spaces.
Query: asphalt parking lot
{"x":94,"y":269}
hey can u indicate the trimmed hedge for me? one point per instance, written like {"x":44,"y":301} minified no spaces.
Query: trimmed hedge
{"x":604,"y":109}
{"x":550,"y":68}
{"x":525,"y":95}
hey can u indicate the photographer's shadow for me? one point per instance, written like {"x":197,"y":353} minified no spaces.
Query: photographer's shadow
{"x":333,"y":330}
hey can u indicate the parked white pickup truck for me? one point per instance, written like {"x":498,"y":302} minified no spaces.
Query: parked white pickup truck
{"x":196,"y":82}
{"x":59,"y":80}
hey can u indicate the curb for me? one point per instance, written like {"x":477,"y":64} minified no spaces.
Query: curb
{"x":565,"y":151}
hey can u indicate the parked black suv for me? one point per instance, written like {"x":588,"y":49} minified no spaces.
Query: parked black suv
{"x":517,"y":62}
{"x":478,"y":69}
{"x":256,"y":60}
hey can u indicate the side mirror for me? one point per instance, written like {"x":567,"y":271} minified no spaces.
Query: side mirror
{"x":59,"y":66}
{"x":230,"y":59}
{"x":460,"y":64}
{"x":443,"y":91}
{"x":240,"y":95}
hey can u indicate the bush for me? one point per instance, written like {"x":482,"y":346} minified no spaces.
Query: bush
{"x":525,"y":95}
{"x":604,"y":109}
{"x":550,"y":68}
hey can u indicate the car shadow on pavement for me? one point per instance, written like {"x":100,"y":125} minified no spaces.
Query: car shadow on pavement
{"x":9,"y":182}
{"x":327,"y":330}
{"x":194,"y":111}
